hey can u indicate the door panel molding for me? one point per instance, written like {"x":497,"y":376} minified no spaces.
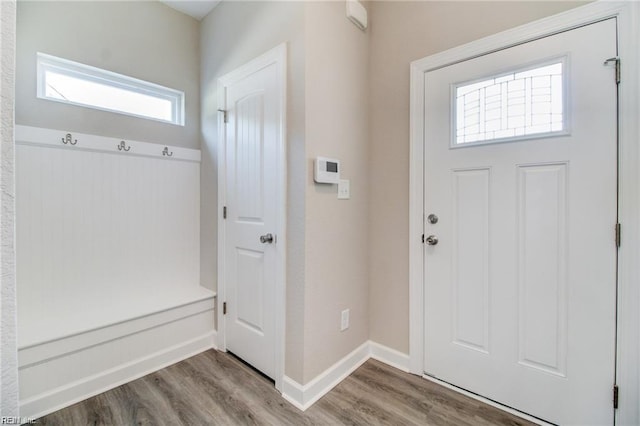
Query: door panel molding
{"x":275,"y":57}
{"x":542,"y":331}
{"x":628,"y":21}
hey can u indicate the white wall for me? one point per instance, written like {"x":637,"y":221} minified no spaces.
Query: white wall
{"x":141,"y":39}
{"x":8,"y":338}
{"x":102,"y":236}
{"x":401,"y":32}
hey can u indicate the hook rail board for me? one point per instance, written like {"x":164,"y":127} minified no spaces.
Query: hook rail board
{"x":68,"y":139}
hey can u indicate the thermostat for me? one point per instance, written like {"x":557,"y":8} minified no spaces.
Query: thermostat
{"x":327,"y":170}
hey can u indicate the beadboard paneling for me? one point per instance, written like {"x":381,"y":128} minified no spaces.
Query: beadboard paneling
{"x":105,"y":235}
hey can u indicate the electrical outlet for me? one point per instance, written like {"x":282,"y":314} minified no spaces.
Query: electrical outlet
{"x":344,"y":190}
{"x":344,"y":320}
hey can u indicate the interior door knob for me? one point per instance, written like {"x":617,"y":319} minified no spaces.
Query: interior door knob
{"x":432,"y":240}
{"x":267,"y":238}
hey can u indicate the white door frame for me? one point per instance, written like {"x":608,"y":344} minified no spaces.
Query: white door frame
{"x":628,"y":18}
{"x":278,"y":57}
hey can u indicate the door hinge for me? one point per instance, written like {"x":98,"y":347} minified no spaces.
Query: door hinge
{"x":422,"y":238}
{"x":615,"y":396}
{"x":616,"y":60}
{"x":617,"y":235}
{"x":224,"y":308}
{"x":225,"y":115}
{"x":224,"y":212}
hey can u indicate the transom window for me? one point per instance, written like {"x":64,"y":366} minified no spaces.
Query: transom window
{"x":510,"y":106}
{"x":73,"y":83}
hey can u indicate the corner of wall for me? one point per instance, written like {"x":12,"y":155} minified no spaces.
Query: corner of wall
{"x":8,"y":333}
{"x":336,"y":231}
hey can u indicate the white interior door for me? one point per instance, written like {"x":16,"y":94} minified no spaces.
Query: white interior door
{"x":520,"y":287}
{"x":251,"y":199}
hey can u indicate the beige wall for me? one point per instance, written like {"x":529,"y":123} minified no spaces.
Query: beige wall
{"x":337,"y":96}
{"x":400,"y":33}
{"x":141,"y":39}
{"x":233,"y":34}
{"x":327,"y":115}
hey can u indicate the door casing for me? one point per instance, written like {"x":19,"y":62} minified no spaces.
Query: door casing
{"x":278,"y":57}
{"x":628,"y":338}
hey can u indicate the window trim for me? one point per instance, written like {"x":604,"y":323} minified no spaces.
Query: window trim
{"x":566,"y":103}
{"x":89,"y":73}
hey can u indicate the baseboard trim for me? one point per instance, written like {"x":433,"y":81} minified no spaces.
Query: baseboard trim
{"x":304,"y":396}
{"x":389,"y":356}
{"x":214,"y":340}
{"x":46,"y":403}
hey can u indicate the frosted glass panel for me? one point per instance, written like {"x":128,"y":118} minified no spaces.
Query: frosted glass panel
{"x":78,"y":84}
{"x":514,"y":105}
{"x":104,"y":96}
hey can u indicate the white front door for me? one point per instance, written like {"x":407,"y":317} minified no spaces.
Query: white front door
{"x":253,"y":135}
{"x":520,"y":287}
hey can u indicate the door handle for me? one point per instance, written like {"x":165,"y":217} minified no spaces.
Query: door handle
{"x":267,"y":238}
{"x":432,"y":240}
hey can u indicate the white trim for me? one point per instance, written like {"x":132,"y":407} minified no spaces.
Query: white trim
{"x":278,"y":57}
{"x":29,"y":135}
{"x":628,"y":14}
{"x":294,"y":393}
{"x":488,"y":401}
{"x":304,"y":396}
{"x":416,"y":221}
{"x":222,"y":173}
{"x":628,"y":362}
{"x":65,"y":396}
{"x":392,"y":357}
{"x":87,"y":73}
{"x":39,"y":352}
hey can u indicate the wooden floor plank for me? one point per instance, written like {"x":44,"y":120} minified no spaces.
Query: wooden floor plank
{"x":215,"y":388}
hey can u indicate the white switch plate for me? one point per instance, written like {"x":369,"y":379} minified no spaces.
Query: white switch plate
{"x":344,"y":320}
{"x":344,"y":189}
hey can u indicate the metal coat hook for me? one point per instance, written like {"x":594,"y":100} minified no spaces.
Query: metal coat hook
{"x":68,"y":139}
{"x":123,"y":146}
{"x":166,"y":152}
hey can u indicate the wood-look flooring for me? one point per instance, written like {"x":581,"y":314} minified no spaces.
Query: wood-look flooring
{"x":214,"y":388}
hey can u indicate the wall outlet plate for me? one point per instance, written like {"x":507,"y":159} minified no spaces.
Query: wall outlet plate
{"x":344,"y":320}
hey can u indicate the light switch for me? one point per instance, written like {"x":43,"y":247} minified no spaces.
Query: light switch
{"x":344,"y":191}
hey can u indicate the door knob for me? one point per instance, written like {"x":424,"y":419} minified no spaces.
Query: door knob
{"x":267,"y":238}
{"x":432,"y":240}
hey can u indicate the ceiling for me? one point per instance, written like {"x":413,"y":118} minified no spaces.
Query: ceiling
{"x":196,"y":8}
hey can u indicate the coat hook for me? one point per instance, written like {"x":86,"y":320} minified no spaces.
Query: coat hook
{"x":166,"y":152}
{"x":68,"y":139}
{"x":123,"y":146}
